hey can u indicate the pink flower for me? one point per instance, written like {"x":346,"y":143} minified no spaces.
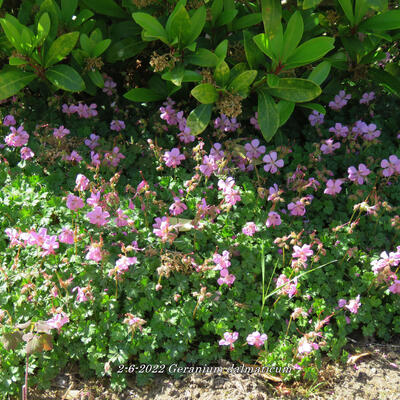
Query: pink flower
{"x":185,"y":136}
{"x":226,"y":278}
{"x":316,"y":118}
{"x":74,"y":202}
{"x":359,"y":128}
{"x":231,"y":195}
{"x":114,"y":157}
{"x":272,"y":164}
{"x":26,"y":153}
{"x":229,"y":339}
{"x":17,"y":137}
{"x":339,"y":130}
{"x":302,"y":252}
{"x":58,"y":321}
{"x":163,"y":229}
{"x":354,"y":305}
{"x":95,"y":157}
{"x":82,"y":183}
{"x":168,"y":113}
{"x":367,"y":98}
{"x":358,"y":175}
{"x":371,"y":132}
{"x":177,"y":207}
{"x":340,"y":100}
{"x":209,"y":166}
{"x":117,"y":125}
{"x":98,"y":216}
{"x":286,"y":287}
{"x":254,"y":150}
{"x":49,"y":245}
{"x":222,"y":260}
{"x":74,"y":156}
{"x":60,"y":132}
{"x":13,"y":235}
{"x":395,"y":288}
{"x":92,"y":143}
{"x":274,"y":219}
{"x":94,"y":199}
{"x":391,"y":167}
{"x":109,"y":85}
{"x":69,"y":109}
{"x":297,"y":208}
{"x":9,"y":120}
{"x":216,"y":152}
{"x":66,"y":236}
{"x":249,"y":229}
{"x":342,"y":303}
{"x":329,"y":147}
{"x":94,"y":252}
{"x":333,"y":187}
{"x":122,"y":265}
{"x":256,"y":339}
{"x":122,"y":219}
{"x":306,"y":347}
{"x":225,"y":124}
{"x":173,"y":158}
{"x":80,"y":297}
{"x":254,"y":121}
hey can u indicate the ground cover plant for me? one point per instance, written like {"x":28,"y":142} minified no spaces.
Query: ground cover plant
{"x":140,"y":236}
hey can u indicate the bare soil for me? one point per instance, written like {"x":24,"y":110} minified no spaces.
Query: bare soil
{"x":373,"y":376}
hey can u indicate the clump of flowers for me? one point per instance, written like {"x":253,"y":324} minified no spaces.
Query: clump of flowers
{"x":316,"y":118}
{"x":339,"y":101}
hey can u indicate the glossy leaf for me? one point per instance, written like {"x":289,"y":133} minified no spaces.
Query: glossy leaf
{"x":222,"y":73}
{"x":242,"y":82}
{"x":205,"y":93}
{"x":124,"y":49}
{"x":101,"y":47}
{"x":310,"y":4}
{"x":216,"y":9}
{"x":253,"y":55}
{"x":347,"y":7}
{"x":12,"y":81}
{"x":12,"y":30}
{"x":60,"y":48}
{"x":262,"y":42}
{"x":271,"y":16}
{"x":151,"y":25}
{"x":68,"y":7}
{"x":296,"y":89}
{"x":179,"y":27}
{"x":310,"y":51}
{"x":197,"y":22}
{"x":285,"y":110}
{"x":43,"y":29}
{"x":105,"y":7}
{"x":222,"y":49}
{"x":143,"y":95}
{"x":292,"y":35}
{"x":176,"y":75}
{"x":360,"y":9}
{"x":313,"y":106}
{"x":226,"y":17}
{"x":320,"y":72}
{"x":199,"y":118}
{"x":96,"y":78}
{"x":246,"y":21}
{"x":268,"y":116}
{"x":383,"y":22}
{"x":203,"y":58}
{"x":65,"y":77}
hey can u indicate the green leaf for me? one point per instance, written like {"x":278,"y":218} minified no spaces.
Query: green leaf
{"x":246,"y":21}
{"x":68,"y":7}
{"x":203,"y":58}
{"x":12,"y":30}
{"x":226,"y":17}
{"x":16,"y":61}
{"x":143,"y":95}
{"x":222,"y":49}
{"x":360,"y":9}
{"x":216,"y":9}
{"x":101,"y":47}
{"x":105,"y":7}
{"x":385,"y":79}
{"x":262,"y":42}
{"x":383,"y":22}
{"x":271,"y":11}
{"x":176,"y":75}
{"x":65,"y":77}
{"x":292,"y":35}
{"x":268,"y":116}
{"x":237,"y":70}
{"x":197,"y":22}
{"x":152,"y":27}
{"x":43,"y":29}
{"x":253,"y":54}
{"x":52,"y":8}
{"x":242,"y":82}
{"x":347,"y":7}
{"x":313,"y":106}
{"x":320,"y":72}
{"x":297,"y":90}
{"x":192,"y":76}
{"x":96,"y":78}
{"x":310,"y":4}
{"x":179,"y":27}
{"x":222,"y":73}
{"x":12,"y":81}
{"x":285,"y":110}
{"x":124,"y":49}
{"x":205,"y":93}
{"x":199,"y":118}
{"x":310,"y":51}
{"x":60,"y":48}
